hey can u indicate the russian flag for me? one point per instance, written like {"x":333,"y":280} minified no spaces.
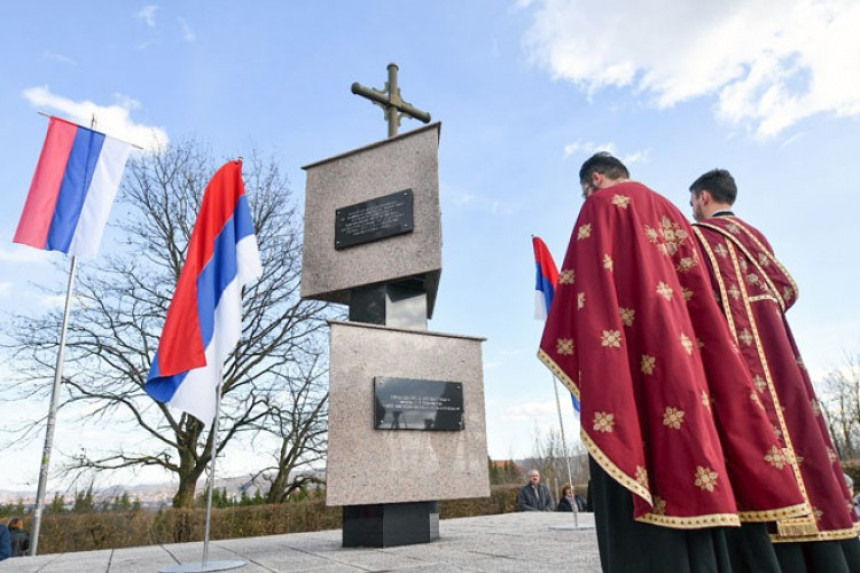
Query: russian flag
{"x":73,"y":189}
{"x":545,"y":285}
{"x":204,"y":321}
{"x":547,"y":279}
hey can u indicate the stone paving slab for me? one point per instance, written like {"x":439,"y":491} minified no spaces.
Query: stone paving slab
{"x":514,"y":542}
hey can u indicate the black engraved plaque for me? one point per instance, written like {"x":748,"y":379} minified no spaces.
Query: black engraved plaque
{"x":374,"y":220}
{"x":410,"y":404}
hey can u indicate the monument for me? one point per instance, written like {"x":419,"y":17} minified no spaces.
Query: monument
{"x":406,"y":412}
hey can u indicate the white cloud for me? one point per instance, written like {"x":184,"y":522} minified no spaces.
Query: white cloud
{"x":23,"y":254}
{"x":5,"y":288}
{"x":53,"y":301}
{"x":147,"y":14}
{"x":589,"y":148}
{"x":530,"y":410}
{"x":476,"y":202}
{"x":463,"y":199}
{"x":769,"y":63}
{"x":187,"y":32}
{"x":114,"y":120}
{"x":60,"y":59}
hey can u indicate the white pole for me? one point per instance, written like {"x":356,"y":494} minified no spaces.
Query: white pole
{"x":566,"y":452}
{"x":214,"y":432}
{"x":52,"y":415}
{"x":206,"y":565}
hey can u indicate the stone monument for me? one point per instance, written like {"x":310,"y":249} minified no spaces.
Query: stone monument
{"x":406,"y":414}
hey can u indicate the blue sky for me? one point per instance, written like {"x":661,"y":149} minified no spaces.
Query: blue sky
{"x":525,"y":91}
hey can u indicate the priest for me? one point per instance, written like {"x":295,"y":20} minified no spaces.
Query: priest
{"x":681,"y":449}
{"x":755,"y":290}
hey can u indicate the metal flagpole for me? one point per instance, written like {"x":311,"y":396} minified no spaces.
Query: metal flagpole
{"x":52,"y":415}
{"x":214,"y":431}
{"x":52,"y":410}
{"x":207,"y":565}
{"x":555,"y":383}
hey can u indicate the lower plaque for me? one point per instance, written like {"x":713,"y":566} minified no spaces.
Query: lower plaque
{"x":411,"y":404}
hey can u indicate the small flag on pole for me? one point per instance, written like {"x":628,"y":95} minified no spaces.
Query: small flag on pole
{"x":204,"y":321}
{"x":547,"y":279}
{"x":73,"y":189}
{"x":545,"y":285}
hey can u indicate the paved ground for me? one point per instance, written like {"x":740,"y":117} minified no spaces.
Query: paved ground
{"x":515,"y":542}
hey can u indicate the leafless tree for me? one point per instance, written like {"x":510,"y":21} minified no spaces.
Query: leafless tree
{"x":551,"y":459}
{"x":840,"y":403}
{"x":299,"y":420}
{"x":120,"y":306}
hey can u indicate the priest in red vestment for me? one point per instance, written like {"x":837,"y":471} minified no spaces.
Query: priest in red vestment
{"x":681,"y":445}
{"x":755,"y":290}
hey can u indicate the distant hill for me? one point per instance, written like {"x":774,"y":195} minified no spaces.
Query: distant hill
{"x":150,"y":495}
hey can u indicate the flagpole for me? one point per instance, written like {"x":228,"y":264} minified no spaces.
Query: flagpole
{"x":574,"y":506}
{"x":214,"y":432}
{"x":205,"y":565}
{"x":52,"y":414}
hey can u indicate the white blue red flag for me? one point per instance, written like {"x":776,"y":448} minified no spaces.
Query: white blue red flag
{"x":204,"y":321}
{"x":73,"y":189}
{"x":545,"y":285}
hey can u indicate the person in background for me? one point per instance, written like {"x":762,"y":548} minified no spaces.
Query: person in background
{"x":19,"y":537}
{"x":535,"y":496}
{"x":5,"y":543}
{"x":568,"y":498}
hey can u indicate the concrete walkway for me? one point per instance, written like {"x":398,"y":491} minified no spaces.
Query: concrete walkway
{"x":515,"y":542}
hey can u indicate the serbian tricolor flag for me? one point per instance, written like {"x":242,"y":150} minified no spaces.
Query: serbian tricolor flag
{"x":545,"y":285}
{"x":73,"y":189}
{"x":547,"y":279}
{"x":204,"y":321}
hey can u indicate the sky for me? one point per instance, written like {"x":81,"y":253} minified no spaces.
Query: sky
{"x":525,"y":90}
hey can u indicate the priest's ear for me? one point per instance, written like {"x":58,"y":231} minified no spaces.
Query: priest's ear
{"x":706,"y":197}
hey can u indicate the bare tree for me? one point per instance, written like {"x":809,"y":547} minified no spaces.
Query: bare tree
{"x":120,"y":307}
{"x":299,"y":421}
{"x":840,"y":404}
{"x":551,"y":459}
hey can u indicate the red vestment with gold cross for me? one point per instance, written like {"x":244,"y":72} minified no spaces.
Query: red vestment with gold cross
{"x":669,"y":410}
{"x":755,"y":290}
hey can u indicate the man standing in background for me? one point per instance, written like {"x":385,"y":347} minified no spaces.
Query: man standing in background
{"x":535,"y":496}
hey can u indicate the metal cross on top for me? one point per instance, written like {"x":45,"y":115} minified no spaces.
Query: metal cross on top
{"x":389,"y":100}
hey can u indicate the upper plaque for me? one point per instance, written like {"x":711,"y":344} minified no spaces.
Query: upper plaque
{"x":358,"y":228}
{"x":374,"y":220}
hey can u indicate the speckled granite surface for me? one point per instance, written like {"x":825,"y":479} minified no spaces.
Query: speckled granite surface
{"x":382,"y":466}
{"x":408,"y":161}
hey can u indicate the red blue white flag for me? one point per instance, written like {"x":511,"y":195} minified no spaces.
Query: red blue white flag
{"x":545,"y":285}
{"x":204,"y":321}
{"x":547,"y":279}
{"x":73,"y":189}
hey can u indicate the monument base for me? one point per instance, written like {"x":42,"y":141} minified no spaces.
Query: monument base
{"x":390,"y":524}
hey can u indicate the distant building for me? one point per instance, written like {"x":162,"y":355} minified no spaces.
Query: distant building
{"x":505,"y":472}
